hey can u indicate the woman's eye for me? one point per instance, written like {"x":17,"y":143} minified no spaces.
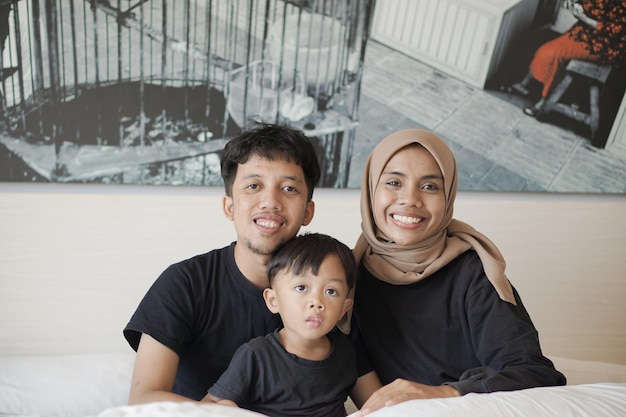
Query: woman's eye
{"x":393,"y":183}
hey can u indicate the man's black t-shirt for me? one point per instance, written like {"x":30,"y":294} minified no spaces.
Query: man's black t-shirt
{"x":203,"y":309}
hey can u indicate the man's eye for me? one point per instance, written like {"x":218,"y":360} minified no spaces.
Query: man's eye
{"x":289,"y":188}
{"x":253,"y":186}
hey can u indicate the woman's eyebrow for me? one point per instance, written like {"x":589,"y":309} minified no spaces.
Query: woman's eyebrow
{"x":399,"y":173}
{"x":402,"y":174}
{"x":433,"y":177}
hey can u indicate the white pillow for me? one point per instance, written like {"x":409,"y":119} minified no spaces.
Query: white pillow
{"x":64,"y":386}
{"x":592,"y":400}
{"x":173,"y":409}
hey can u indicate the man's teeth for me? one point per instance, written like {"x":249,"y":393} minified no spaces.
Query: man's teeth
{"x":267,"y":223}
{"x":406,"y":219}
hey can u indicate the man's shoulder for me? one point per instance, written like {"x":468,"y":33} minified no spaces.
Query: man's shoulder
{"x":199,"y":269}
{"x":219,"y":254}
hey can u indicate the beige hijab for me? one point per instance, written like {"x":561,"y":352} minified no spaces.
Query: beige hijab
{"x":401,"y":265}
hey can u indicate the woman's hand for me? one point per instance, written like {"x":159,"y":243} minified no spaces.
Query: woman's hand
{"x":402,"y":390}
{"x":577,"y":10}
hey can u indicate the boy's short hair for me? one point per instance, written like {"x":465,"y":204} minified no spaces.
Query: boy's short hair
{"x":271,"y":141}
{"x":307,"y":252}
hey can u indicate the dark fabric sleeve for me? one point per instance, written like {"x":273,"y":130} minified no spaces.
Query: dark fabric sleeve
{"x":165,"y":312}
{"x":238,"y":381}
{"x":363,"y":361}
{"x":506,"y":342}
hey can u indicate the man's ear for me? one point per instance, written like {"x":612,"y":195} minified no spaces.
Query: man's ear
{"x":227,"y":207}
{"x":308,"y":213}
{"x":270,"y":300}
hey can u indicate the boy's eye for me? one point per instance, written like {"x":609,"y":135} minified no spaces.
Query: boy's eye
{"x":331,"y":291}
{"x":300,"y":288}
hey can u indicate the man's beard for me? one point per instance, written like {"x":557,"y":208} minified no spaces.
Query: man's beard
{"x":262,"y":249}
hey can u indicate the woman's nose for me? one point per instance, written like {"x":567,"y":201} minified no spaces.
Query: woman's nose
{"x":410,"y":197}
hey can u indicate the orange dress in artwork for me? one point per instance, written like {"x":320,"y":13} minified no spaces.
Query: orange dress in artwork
{"x":606,"y":43}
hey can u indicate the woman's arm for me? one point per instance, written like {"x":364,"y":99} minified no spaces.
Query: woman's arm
{"x":577,"y":11}
{"x":506,"y":344}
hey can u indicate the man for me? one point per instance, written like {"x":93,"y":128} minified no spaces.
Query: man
{"x":199,"y":311}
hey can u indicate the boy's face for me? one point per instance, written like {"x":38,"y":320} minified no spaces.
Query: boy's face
{"x":409,"y":202}
{"x":268,"y":204}
{"x":310,"y":305}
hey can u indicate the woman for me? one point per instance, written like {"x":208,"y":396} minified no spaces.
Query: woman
{"x":598,"y":36}
{"x":434,"y":314}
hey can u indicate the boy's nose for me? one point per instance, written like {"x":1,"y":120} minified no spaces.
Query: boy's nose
{"x":316,"y":304}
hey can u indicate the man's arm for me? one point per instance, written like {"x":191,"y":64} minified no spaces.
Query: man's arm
{"x":154,"y":373}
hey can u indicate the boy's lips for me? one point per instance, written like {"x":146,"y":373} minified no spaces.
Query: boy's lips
{"x":314,"y":321}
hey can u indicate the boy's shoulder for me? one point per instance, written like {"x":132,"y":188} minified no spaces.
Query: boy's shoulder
{"x":340,"y":339}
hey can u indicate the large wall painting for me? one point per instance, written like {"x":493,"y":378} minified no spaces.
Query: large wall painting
{"x":149,"y":91}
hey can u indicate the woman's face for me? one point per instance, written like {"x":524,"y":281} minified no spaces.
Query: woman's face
{"x":409,"y":200}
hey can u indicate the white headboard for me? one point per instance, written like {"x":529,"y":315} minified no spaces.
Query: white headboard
{"x":76,"y":259}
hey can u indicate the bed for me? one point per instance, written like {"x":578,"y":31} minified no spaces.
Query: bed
{"x":591,"y":400}
{"x":75,"y":262}
{"x":90,"y":385}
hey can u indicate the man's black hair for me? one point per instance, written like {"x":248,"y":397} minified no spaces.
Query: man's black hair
{"x":270,"y":141}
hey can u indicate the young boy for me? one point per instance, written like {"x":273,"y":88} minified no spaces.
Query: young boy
{"x":307,"y":368}
{"x":200,"y":310}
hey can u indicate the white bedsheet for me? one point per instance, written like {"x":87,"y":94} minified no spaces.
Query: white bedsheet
{"x":86,"y":385}
{"x":591,"y":400}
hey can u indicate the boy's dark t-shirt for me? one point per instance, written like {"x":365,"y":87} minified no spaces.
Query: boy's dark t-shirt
{"x":204,"y":309}
{"x":265,"y":378}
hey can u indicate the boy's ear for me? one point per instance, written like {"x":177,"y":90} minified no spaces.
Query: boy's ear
{"x":270,"y":300}
{"x":347,"y":305}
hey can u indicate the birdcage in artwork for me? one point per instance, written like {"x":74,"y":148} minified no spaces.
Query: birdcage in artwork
{"x":149,"y":91}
